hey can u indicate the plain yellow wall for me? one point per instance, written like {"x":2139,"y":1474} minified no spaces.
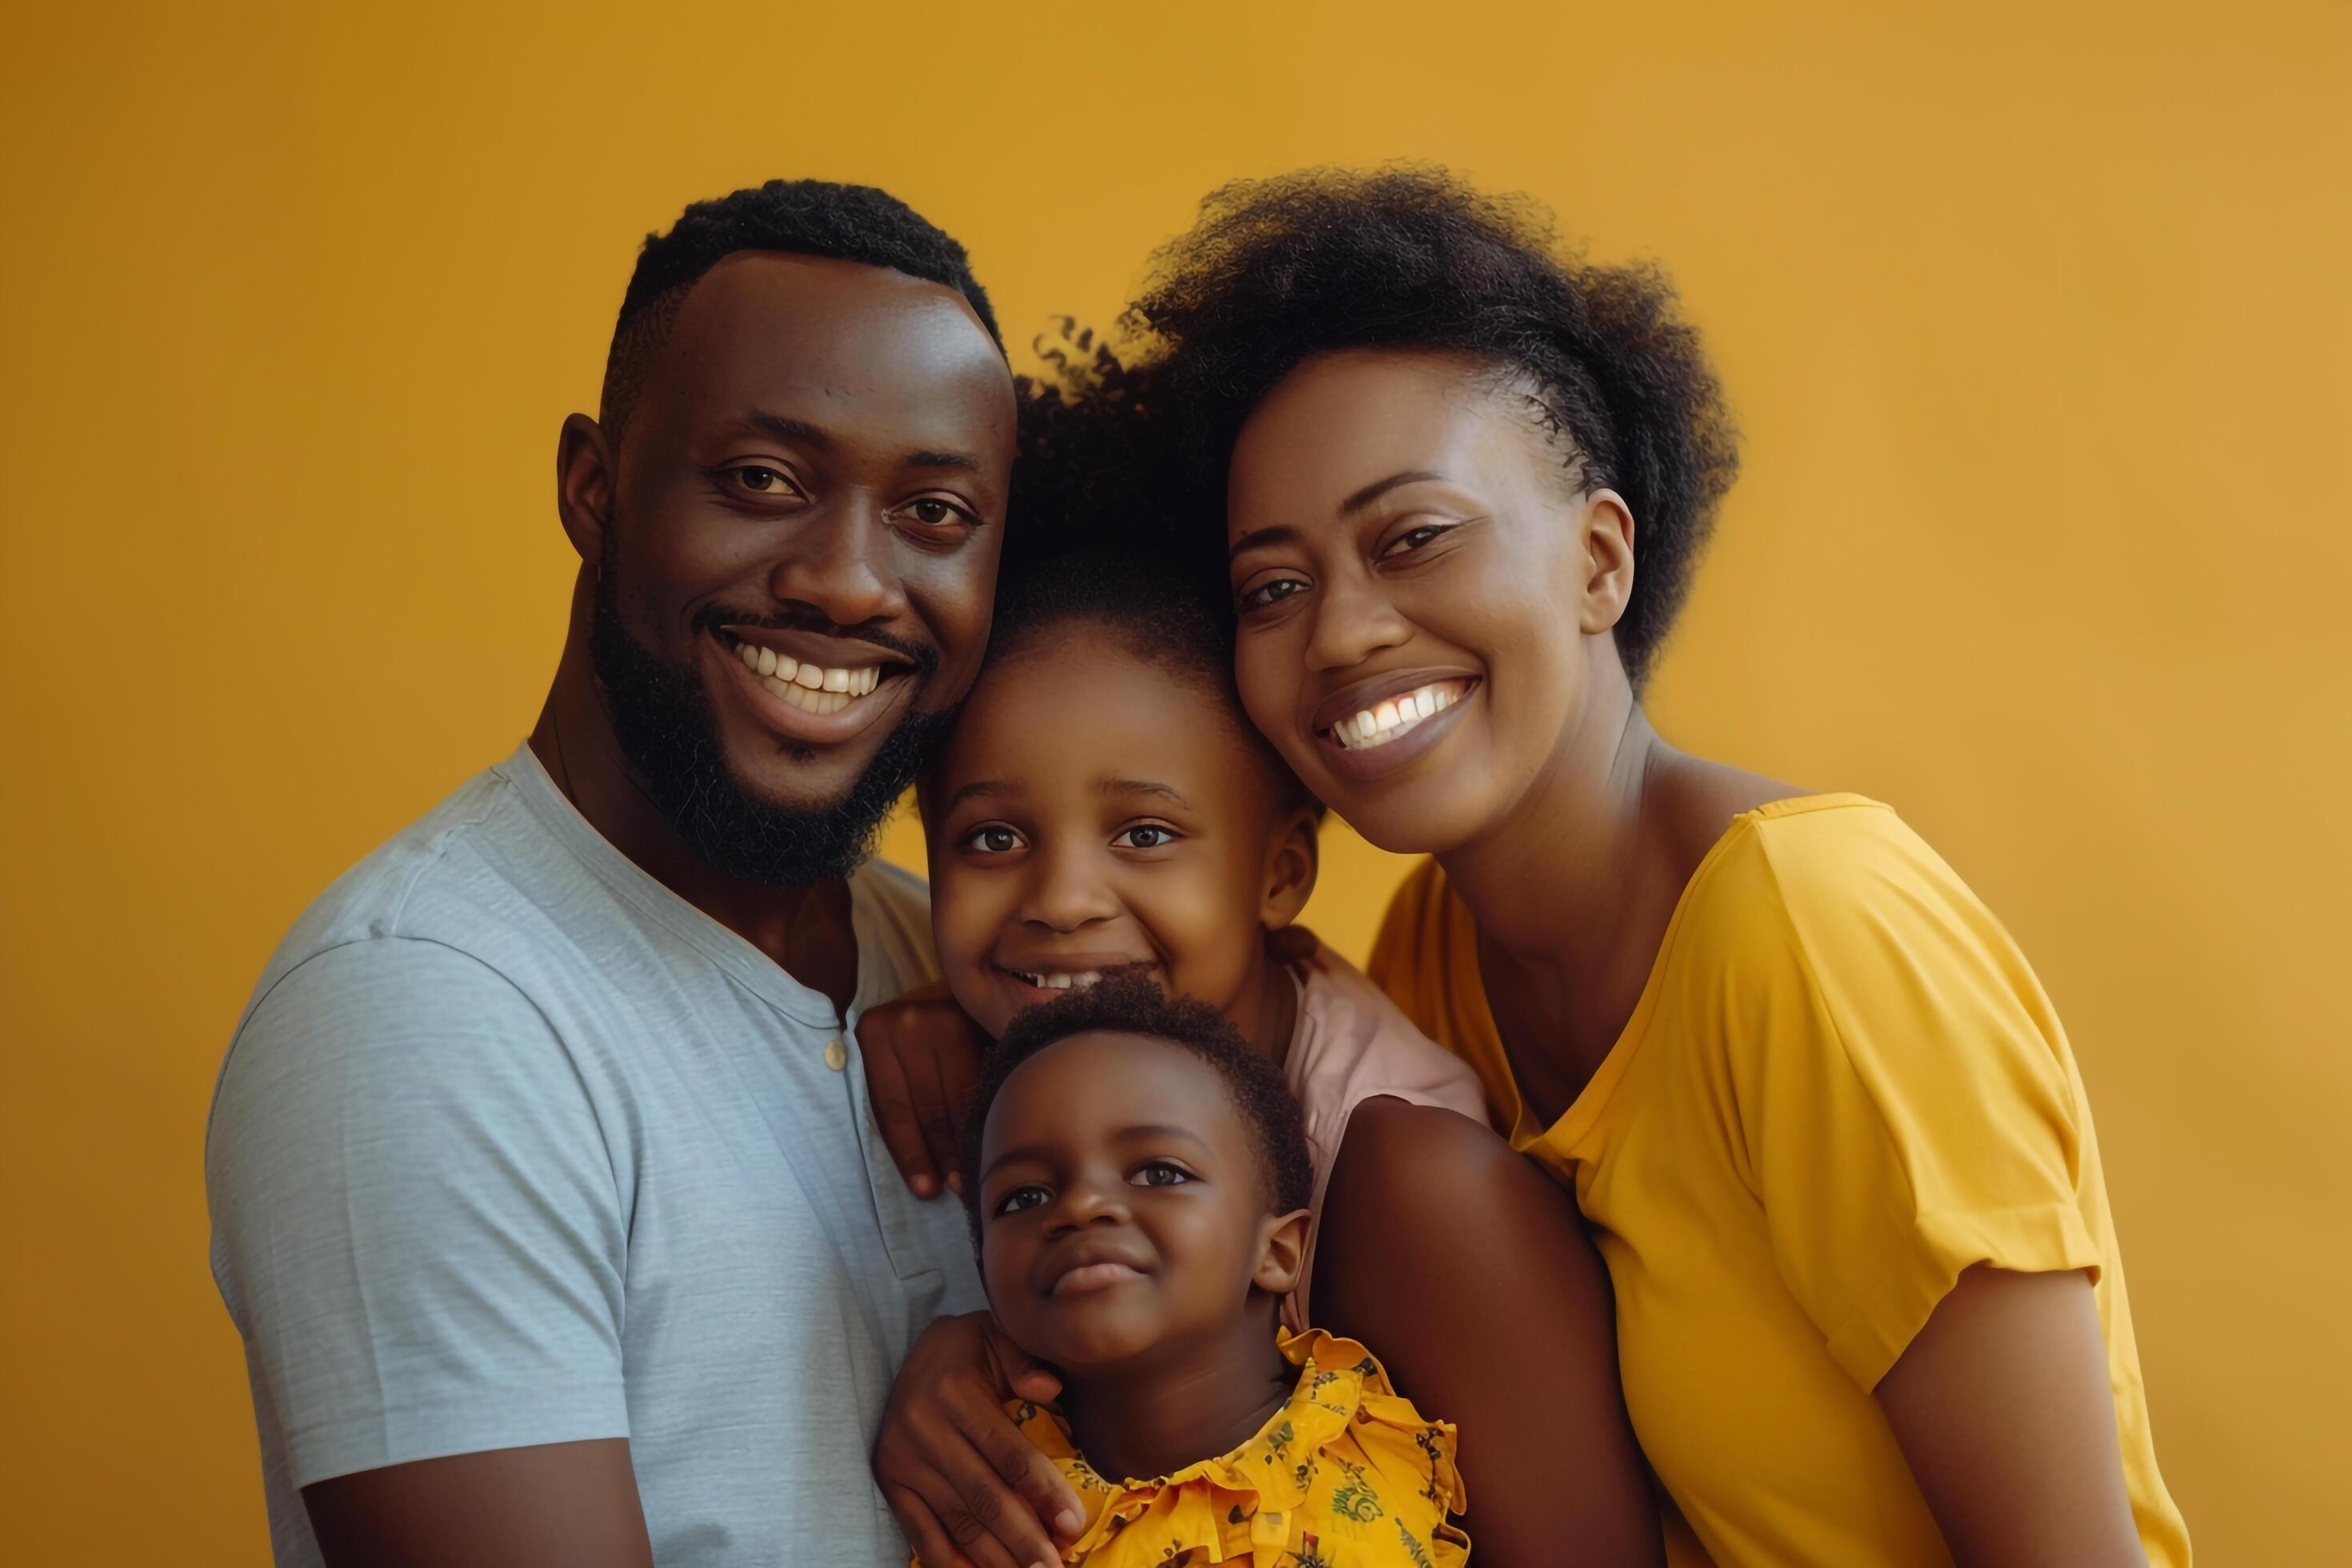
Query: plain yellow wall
{"x":2037,"y":325}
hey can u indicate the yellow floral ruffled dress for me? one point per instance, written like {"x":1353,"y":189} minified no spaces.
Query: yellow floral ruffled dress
{"x":1346,"y":1475}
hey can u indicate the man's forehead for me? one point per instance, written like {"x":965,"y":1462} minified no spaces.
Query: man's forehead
{"x":762,"y":325}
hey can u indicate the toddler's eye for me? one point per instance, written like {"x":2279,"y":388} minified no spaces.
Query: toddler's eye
{"x":1021,"y":1198}
{"x":992,"y":838}
{"x":1159,"y":1173}
{"x":1144,"y":835}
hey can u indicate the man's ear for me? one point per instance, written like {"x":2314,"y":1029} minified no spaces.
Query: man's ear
{"x":1281,"y":1252}
{"x":1291,"y":864}
{"x":583,"y":486}
{"x":1606,"y":527}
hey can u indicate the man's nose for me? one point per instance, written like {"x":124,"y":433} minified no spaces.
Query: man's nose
{"x":1353,"y":620}
{"x":840,"y":563}
{"x":1067,"y":891}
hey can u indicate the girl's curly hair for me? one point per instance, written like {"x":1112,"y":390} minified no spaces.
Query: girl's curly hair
{"x":1411,"y":258}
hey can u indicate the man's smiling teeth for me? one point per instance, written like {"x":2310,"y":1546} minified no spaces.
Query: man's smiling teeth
{"x":1066,"y":982}
{"x":811,"y":687}
{"x":1377,"y":726}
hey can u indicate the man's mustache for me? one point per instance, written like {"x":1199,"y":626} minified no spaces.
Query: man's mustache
{"x":711,"y":617}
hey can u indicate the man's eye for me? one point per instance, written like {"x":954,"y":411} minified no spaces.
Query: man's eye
{"x":1144,"y":835}
{"x":1265,"y":593}
{"x":1159,"y":1173}
{"x":992,"y":839}
{"x":765,"y":480}
{"x":1021,"y":1198}
{"x":933,"y":512}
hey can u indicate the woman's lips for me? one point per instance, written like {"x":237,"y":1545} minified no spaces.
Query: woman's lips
{"x":1373,"y":742}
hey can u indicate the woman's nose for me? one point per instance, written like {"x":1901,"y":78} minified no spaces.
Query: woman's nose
{"x":1353,"y":621}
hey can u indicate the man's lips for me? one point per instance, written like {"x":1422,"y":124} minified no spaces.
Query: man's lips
{"x":805,"y":699}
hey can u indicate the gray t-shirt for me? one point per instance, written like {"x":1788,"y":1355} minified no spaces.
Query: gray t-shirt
{"x":513,"y":1145}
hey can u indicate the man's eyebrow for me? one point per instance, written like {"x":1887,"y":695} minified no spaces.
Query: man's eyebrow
{"x":785,"y":428}
{"x":964,"y":462}
{"x":1140,"y":786}
{"x":1379,"y":487}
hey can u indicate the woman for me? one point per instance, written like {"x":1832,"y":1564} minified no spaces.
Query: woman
{"x":1824,"y":1121}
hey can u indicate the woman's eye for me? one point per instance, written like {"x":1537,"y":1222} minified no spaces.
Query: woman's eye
{"x":1021,"y":1198}
{"x":1144,"y":835}
{"x":1161,"y":1174}
{"x":933,"y":512}
{"x":763,"y":480}
{"x":1265,"y":593}
{"x":1413,"y":539}
{"x":992,"y":839}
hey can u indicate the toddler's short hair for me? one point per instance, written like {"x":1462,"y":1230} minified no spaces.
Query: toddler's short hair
{"x":1126,"y":1002}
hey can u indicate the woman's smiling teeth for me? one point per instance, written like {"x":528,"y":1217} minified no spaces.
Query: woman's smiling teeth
{"x":1384,"y":722}
{"x":810,"y":687}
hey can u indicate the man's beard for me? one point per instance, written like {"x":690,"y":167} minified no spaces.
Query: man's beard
{"x":668,"y":731}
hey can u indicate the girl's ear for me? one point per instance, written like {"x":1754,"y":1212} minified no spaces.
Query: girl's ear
{"x":1281,"y":1252}
{"x":1290,"y":868}
{"x":1607,"y":530}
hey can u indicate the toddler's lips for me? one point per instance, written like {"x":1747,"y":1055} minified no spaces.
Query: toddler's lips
{"x":1089,"y":1276}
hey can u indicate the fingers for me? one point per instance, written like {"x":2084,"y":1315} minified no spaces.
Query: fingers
{"x":989,"y":1520}
{"x":894,"y":1113}
{"x":933,"y":1547}
{"x":937,"y":1107}
{"x":1035,"y":1481}
{"x":1022,"y":1375}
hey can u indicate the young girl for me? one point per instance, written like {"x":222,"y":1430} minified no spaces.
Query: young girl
{"x":1140,"y":1180}
{"x":1104,"y":805}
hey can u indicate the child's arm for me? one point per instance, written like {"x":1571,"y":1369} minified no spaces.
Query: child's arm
{"x":1469,"y":1275}
{"x":966,"y":1486}
{"x":922,"y":1055}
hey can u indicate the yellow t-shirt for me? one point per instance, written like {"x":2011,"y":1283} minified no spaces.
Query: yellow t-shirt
{"x":1840,"y":1087}
{"x":1347,"y":1474}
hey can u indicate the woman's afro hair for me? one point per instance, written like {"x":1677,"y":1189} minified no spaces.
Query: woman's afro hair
{"x":1126,"y":1002}
{"x":1410,"y":257}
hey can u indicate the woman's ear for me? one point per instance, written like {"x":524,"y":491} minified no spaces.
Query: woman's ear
{"x":583,"y":486}
{"x":1291,"y":864}
{"x":1281,"y":1252}
{"x":1605,"y":525}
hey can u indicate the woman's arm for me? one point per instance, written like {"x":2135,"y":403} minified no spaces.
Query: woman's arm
{"x":2001,"y":1407}
{"x":1470,"y":1276}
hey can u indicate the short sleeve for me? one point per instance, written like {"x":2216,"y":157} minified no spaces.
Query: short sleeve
{"x":1905,"y":1093}
{"x":415,"y":1223}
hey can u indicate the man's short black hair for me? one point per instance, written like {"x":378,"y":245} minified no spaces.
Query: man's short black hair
{"x":801,"y":217}
{"x":1277,"y":270}
{"x":1126,"y":1002}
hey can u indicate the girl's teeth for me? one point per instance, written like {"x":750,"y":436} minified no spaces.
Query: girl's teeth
{"x":808,"y":686}
{"x":1070,"y":982}
{"x":1379,"y":724}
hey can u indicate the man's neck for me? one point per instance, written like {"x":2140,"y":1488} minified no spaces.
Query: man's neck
{"x":807,"y":931}
{"x":1173,"y":1410}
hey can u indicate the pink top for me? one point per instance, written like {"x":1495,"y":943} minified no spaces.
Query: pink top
{"x":1351,"y":1045}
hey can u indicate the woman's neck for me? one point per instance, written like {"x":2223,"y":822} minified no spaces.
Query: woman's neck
{"x":1571,"y":893}
{"x":1172,"y":1408}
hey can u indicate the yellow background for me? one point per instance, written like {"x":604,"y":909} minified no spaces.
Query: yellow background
{"x":2037,"y":324}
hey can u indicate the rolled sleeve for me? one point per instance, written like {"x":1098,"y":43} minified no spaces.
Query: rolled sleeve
{"x":415,"y":1223}
{"x":1911,"y":1114}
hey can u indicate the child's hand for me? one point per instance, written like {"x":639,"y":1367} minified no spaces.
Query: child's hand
{"x":922,"y":1056}
{"x":966,"y":1486}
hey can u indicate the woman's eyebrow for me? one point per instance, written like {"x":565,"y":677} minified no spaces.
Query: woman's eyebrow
{"x":1379,"y":487}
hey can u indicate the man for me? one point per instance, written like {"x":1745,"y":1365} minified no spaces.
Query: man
{"x":545,"y":1191}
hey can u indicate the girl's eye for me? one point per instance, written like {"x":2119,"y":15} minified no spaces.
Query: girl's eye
{"x":763,"y":480}
{"x":1021,"y":1198}
{"x":933,"y":512}
{"x":992,"y":839}
{"x":1144,"y":835}
{"x":1161,"y":1174}
{"x":1413,"y":539}
{"x":1266,"y":593}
